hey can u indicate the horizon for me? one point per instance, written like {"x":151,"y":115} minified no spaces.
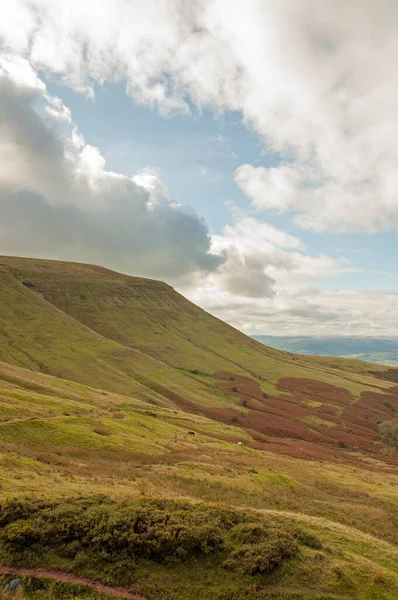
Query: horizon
{"x":198,"y":149}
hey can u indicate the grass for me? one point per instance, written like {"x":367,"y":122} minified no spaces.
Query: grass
{"x":151,"y":317}
{"x":314,"y":420}
{"x":36,"y":588}
{"x":101,"y":378}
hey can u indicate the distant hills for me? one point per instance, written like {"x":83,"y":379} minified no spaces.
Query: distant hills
{"x":382,"y":350}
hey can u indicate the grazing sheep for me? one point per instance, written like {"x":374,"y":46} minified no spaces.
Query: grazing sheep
{"x":239,"y":443}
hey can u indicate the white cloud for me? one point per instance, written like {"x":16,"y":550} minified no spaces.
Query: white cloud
{"x":305,"y":311}
{"x":57,"y":199}
{"x":315,"y":79}
{"x":271,"y":189}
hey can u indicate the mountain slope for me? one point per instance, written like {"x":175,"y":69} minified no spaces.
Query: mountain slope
{"x":119,"y":387}
{"x":150,"y":316}
{"x":137,"y":336}
{"x":37,"y":335}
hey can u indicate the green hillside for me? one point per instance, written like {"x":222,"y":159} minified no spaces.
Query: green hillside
{"x":150,"y":316}
{"x":103,"y":376}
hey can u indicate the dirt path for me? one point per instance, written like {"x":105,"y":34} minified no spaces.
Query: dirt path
{"x":67,"y":578}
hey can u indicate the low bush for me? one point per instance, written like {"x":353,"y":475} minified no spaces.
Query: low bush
{"x":263,"y":557}
{"x":389,"y":433}
{"x":21,"y":533}
{"x":13,"y":510}
{"x":158,"y":530}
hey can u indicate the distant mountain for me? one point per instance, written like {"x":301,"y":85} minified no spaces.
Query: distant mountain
{"x":381,"y":350}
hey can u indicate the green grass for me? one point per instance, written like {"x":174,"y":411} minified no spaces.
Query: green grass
{"x":101,"y":378}
{"x":314,"y":420}
{"x":152,"y":318}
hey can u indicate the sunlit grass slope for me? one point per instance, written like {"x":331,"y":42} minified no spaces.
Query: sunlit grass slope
{"x":139,"y":337}
{"x":37,"y":335}
{"x":60,"y":438}
{"x":152,"y":317}
{"x":102,"y":376}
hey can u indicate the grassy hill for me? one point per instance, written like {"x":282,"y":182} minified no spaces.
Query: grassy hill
{"x":102,"y":376}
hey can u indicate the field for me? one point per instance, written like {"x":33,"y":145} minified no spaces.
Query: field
{"x":119,"y":388}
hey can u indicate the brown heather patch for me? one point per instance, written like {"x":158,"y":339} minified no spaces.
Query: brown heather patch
{"x":292,"y":425}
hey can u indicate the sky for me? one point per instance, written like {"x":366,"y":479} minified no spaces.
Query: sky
{"x":245,"y":153}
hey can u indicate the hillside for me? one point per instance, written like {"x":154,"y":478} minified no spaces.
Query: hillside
{"x":102,"y":376}
{"x":136,"y":336}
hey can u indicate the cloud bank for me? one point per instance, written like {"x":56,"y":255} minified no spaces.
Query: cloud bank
{"x":315,"y":79}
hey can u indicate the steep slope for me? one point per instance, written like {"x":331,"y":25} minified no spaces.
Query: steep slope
{"x":37,"y":335}
{"x":118,"y":387}
{"x":150,"y":316}
{"x":137,"y":336}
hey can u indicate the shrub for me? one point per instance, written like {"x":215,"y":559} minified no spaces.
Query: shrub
{"x":21,"y":533}
{"x":13,"y":510}
{"x":118,"y":536}
{"x":235,"y":388}
{"x":249,"y":533}
{"x":263,"y":557}
{"x":389,"y":433}
{"x":307,"y":539}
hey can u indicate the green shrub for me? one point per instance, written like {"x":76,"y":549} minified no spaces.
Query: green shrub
{"x":249,"y":533}
{"x":389,"y":433}
{"x":13,"y":510}
{"x":103,"y":532}
{"x":264,"y":557}
{"x":307,"y":539}
{"x":21,"y":533}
